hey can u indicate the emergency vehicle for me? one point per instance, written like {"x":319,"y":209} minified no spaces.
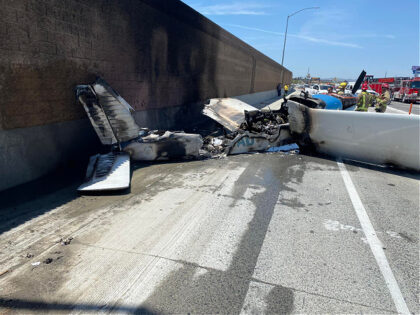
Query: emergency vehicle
{"x":409,"y":91}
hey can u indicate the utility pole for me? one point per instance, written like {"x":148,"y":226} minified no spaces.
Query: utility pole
{"x":287,"y":26}
{"x":285,"y":38}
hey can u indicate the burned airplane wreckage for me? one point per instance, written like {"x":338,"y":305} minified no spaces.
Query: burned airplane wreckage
{"x":245,"y":129}
{"x":111,"y":117}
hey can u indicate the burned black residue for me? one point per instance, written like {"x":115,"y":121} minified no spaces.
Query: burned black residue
{"x":300,"y":125}
{"x":48,"y":261}
{"x":172,"y":148}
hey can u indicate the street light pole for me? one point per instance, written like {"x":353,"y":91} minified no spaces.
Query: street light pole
{"x":287,"y":25}
{"x":285,"y":37}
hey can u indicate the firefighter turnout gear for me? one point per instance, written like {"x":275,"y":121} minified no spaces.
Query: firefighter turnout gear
{"x":382,"y":101}
{"x":363,"y":102}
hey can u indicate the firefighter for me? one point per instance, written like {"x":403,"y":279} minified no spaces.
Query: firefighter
{"x":342,"y":88}
{"x":364,"y":99}
{"x":383,"y":100}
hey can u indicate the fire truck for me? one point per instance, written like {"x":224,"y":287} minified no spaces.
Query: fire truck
{"x":376,"y":83}
{"x":409,"y":91}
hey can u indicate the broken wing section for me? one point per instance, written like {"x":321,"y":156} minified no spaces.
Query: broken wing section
{"x":228,"y":112}
{"x":117,"y":110}
{"x":108,"y":112}
{"x":87,"y":97}
{"x":109,"y":171}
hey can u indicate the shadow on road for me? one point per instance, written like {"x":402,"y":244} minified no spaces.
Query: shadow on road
{"x":21,"y":305}
{"x":218,"y":291}
{"x":24,"y":202}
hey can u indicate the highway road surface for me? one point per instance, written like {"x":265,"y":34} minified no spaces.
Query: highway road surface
{"x":401,"y":108}
{"x":258,"y":233}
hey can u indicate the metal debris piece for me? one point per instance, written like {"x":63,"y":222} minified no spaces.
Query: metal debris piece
{"x":37,"y":263}
{"x":165,"y":146}
{"x":48,"y":261}
{"x":293,"y":147}
{"x":228,"y":112}
{"x":67,"y":241}
{"x":109,"y":171}
{"x":249,"y":129}
{"x":4,"y":272}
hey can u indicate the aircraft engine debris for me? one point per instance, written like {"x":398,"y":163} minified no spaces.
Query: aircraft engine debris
{"x":249,"y":142}
{"x":249,"y":129}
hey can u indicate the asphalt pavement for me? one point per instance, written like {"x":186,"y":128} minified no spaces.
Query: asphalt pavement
{"x":400,"y":107}
{"x":257,"y":233}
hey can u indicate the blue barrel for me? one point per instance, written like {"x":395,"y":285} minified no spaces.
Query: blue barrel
{"x":332,"y":102}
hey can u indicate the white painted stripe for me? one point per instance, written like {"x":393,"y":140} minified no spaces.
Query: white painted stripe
{"x":397,"y":110}
{"x":374,"y":242}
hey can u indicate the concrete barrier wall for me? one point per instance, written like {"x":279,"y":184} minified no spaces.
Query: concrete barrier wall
{"x":161,"y":56}
{"x":255,"y":99}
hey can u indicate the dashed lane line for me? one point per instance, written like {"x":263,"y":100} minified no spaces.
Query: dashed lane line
{"x":373,"y":241}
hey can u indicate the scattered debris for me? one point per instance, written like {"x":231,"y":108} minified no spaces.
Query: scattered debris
{"x":66,"y":241}
{"x":48,"y":261}
{"x":36,"y":263}
{"x":4,"y":272}
{"x":248,"y":129}
{"x":274,"y":128}
{"x":28,"y":255}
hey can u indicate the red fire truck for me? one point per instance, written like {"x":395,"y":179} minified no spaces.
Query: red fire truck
{"x":376,"y":84}
{"x":409,"y":91}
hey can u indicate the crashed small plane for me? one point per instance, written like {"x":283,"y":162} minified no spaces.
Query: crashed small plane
{"x":298,"y":118}
{"x":248,"y":129}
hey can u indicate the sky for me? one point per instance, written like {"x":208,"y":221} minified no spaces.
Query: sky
{"x":339,"y":39}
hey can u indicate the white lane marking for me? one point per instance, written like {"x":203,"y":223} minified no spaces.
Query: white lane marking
{"x":337,"y":226}
{"x":374,"y":242}
{"x":398,"y":110}
{"x":332,"y":225}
